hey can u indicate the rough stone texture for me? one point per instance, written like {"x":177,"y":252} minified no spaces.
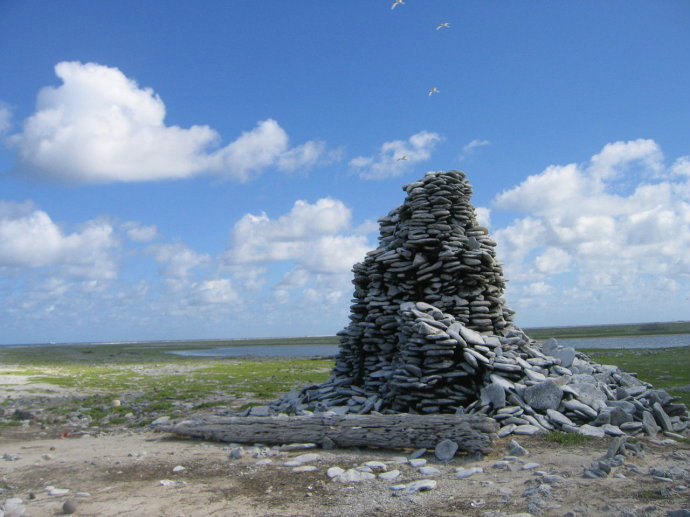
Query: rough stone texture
{"x":445,"y":450}
{"x":543,"y":396}
{"x":430,"y":332}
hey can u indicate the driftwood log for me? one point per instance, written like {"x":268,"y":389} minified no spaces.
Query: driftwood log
{"x":470,"y":432}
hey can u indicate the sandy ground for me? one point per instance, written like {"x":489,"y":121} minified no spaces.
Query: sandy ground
{"x":121,"y":472}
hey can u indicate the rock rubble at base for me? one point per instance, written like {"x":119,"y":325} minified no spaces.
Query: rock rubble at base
{"x":431,"y":333}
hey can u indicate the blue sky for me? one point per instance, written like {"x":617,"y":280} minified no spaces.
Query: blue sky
{"x":213,"y":169}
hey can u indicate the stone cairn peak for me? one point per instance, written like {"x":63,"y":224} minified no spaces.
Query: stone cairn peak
{"x":430,"y":332}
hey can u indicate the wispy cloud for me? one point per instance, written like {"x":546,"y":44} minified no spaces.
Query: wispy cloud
{"x":5,"y":118}
{"x":139,"y":233}
{"x":470,"y":147}
{"x":397,"y":156}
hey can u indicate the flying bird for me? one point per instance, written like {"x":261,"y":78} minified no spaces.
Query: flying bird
{"x":433,"y":90}
{"x":443,"y":25}
{"x":403,"y":158}
{"x":397,"y":3}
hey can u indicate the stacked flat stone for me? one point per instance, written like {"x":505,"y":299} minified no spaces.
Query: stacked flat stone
{"x":431,"y":249}
{"x":431,"y":333}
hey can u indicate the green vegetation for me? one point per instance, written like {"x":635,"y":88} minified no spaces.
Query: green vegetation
{"x":262,"y":379}
{"x":567,"y":438}
{"x":590,"y":331}
{"x":149,"y":381}
{"x":667,"y":368}
{"x":650,"y":495}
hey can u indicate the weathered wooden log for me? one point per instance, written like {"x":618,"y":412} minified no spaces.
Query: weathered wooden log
{"x":470,"y":432}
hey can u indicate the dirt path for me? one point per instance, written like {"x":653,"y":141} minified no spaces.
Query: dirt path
{"x":131,"y":474}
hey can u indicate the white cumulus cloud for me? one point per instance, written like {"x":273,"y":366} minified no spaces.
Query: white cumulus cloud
{"x":177,"y":260}
{"x":616,"y":156}
{"x":315,"y":240}
{"x":483,"y":216}
{"x":99,"y":126}
{"x":613,"y":242}
{"x":396,"y":156}
{"x":259,"y":239}
{"x":29,"y":238}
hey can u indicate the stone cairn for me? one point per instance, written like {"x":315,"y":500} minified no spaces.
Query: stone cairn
{"x":431,"y":333}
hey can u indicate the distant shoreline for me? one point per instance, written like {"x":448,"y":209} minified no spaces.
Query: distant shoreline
{"x":539,"y":333}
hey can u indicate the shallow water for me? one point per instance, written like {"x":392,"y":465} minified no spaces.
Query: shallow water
{"x":661,"y":341}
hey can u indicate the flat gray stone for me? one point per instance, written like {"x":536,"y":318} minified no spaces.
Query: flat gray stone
{"x":236,"y":453}
{"x":417,"y":454}
{"x":471,"y":337}
{"x":390,"y":475}
{"x":617,"y":445}
{"x":302,"y":459}
{"x":334,"y":472}
{"x":680,"y":512}
{"x":631,"y":426}
{"x":526,"y":429}
{"x":566,"y":356}
{"x":590,"y":430}
{"x":619,"y":416}
{"x":662,"y":418}
{"x":549,"y":346}
{"x":543,"y":396}
{"x":612,"y":430}
{"x":428,"y":471}
{"x":558,"y":418}
{"x":462,"y":473}
{"x":493,"y":394}
{"x":502,"y":381}
{"x":515,"y":449}
{"x":260,"y":411}
{"x":376,"y":465}
{"x":304,"y":468}
{"x":420,"y":486}
{"x":445,"y":450}
{"x":589,"y":394}
{"x":354,"y":476}
{"x":576,"y":405}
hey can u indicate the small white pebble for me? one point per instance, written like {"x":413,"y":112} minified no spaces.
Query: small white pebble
{"x":304,"y":468}
{"x":530,"y":466}
{"x":334,"y":472}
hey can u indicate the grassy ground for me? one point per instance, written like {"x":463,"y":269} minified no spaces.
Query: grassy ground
{"x":141,"y":368}
{"x":149,"y":382}
{"x":667,"y":368}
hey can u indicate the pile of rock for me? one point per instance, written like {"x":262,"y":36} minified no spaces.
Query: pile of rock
{"x":431,"y":333}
